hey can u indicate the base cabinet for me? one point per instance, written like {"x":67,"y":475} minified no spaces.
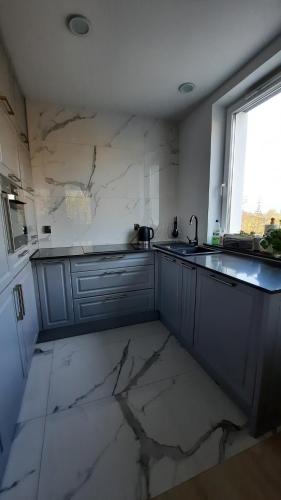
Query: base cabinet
{"x":188,"y":304}
{"x":169,"y":292}
{"x":11,"y":373}
{"x":226,"y":331}
{"x":28,"y":326}
{"x":54,"y":283}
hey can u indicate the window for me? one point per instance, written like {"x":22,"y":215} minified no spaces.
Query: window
{"x":253,"y":162}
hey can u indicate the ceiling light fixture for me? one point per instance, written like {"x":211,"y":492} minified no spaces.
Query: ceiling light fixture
{"x":186,"y":87}
{"x":78,"y":25}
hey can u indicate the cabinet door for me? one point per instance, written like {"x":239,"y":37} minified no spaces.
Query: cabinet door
{"x":25,"y":167}
{"x":11,"y":374}
{"x":6,"y":80}
{"x":226,"y":326}
{"x":9,"y":148}
{"x":188,"y":304}
{"x":55,"y":293}
{"x":170,"y":293}
{"x":29,"y":325}
{"x":18,"y":103}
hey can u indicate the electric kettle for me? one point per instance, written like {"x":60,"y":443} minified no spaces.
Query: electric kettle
{"x":145,"y":234}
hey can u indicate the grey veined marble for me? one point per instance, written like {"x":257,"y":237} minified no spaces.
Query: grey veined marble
{"x":96,"y":174}
{"x":128,"y":414}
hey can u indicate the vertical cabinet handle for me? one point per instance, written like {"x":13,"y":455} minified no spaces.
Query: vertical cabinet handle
{"x":22,"y":300}
{"x":20,"y":309}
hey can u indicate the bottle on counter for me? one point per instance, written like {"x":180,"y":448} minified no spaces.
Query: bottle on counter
{"x":216,"y":237}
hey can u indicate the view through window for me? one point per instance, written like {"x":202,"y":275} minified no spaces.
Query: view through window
{"x":256,"y":175}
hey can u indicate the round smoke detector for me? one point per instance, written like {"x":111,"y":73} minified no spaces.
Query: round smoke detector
{"x":186,"y":88}
{"x":78,"y":25}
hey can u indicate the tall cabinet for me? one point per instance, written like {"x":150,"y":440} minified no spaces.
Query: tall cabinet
{"x":18,"y":313}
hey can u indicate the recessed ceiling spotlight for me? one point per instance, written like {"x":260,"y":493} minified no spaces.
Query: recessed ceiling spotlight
{"x":78,"y":25}
{"x":186,"y":87}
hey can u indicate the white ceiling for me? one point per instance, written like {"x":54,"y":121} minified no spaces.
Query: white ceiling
{"x":138,"y":51}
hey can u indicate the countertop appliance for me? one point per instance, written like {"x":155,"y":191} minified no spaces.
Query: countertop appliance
{"x":145,"y":235}
{"x":14,"y":215}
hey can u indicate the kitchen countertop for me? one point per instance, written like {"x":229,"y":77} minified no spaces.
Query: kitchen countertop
{"x":60,"y":252}
{"x":253,"y":272}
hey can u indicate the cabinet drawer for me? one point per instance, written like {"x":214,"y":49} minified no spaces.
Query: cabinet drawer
{"x":113,"y":306}
{"x":87,"y":284}
{"x":111,"y":261}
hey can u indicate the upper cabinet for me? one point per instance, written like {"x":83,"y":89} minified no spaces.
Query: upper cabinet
{"x":9,"y":156}
{"x":6,"y":79}
{"x":25,"y":168}
{"x":14,"y":153}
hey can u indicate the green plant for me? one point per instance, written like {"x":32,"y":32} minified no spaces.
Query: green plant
{"x":273,"y":239}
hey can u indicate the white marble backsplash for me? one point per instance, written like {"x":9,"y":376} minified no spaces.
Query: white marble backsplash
{"x":96,"y":174}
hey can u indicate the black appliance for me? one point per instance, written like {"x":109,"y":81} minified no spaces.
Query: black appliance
{"x":145,"y":235}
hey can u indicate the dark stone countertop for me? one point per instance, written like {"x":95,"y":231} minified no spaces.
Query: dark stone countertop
{"x":254,"y":272}
{"x":60,"y":252}
{"x":247,"y":270}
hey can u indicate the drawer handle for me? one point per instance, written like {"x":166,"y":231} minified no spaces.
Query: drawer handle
{"x":112,"y":257}
{"x":30,"y":189}
{"x":7,"y":104}
{"x":22,"y":254}
{"x":122,"y":296}
{"x":221,"y":281}
{"x":114,"y":272}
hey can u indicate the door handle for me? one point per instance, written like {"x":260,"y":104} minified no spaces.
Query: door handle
{"x":18,"y":304}
{"x":22,"y":254}
{"x":222,"y":281}
{"x":192,"y":268}
{"x":22,"y":300}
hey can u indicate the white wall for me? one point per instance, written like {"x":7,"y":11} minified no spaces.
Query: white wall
{"x":96,"y":174}
{"x":201,"y":142}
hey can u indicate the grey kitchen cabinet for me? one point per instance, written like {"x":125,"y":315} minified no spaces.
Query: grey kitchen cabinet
{"x":28,"y":326}
{"x":11,"y":372}
{"x":108,"y":281}
{"x":9,"y":156}
{"x":169,"y":292}
{"x":113,"y":306}
{"x":111,"y":261}
{"x":25,"y":167}
{"x":54,"y":283}
{"x":227,"y":331}
{"x":188,"y":297}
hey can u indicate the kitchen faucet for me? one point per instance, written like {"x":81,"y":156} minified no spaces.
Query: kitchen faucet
{"x":194,"y":242}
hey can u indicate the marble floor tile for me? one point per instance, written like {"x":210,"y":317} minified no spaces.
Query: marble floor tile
{"x":129,"y":415}
{"x":105,"y":363}
{"x":20,"y":480}
{"x":139,"y":443}
{"x":37,"y":386}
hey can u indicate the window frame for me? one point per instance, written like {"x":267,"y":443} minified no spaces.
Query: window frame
{"x":248,"y":101}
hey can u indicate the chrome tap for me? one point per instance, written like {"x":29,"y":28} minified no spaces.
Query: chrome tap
{"x":194,"y":242}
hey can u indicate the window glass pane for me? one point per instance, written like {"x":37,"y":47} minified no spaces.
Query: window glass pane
{"x":256,"y":196}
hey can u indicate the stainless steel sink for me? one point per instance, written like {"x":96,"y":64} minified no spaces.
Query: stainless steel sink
{"x":184,"y":249}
